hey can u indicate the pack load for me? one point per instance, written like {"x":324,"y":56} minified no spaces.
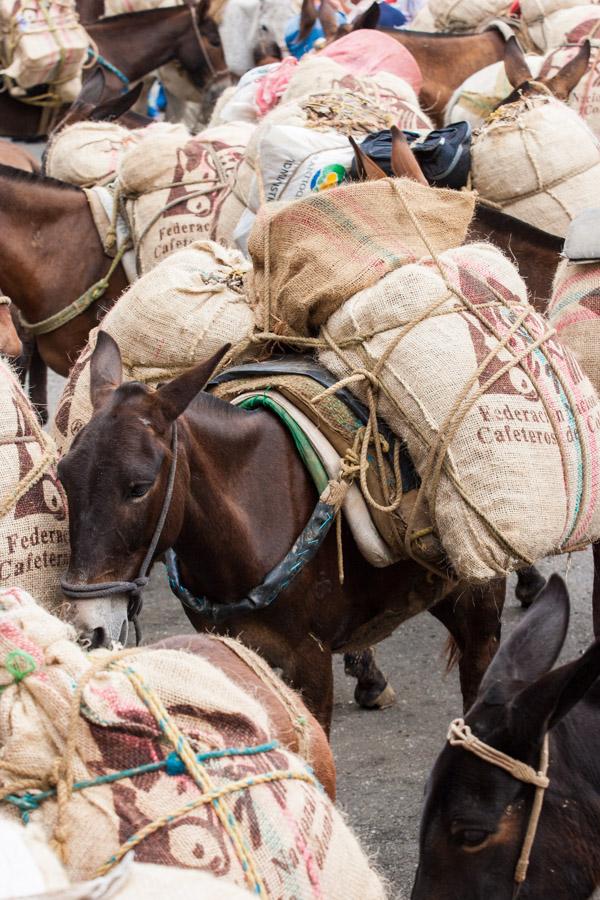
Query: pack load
{"x":89,"y":153}
{"x":511,"y":414}
{"x":550,"y":21}
{"x":456,"y":16}
{"x":180,"y":764}
{"x":585,"y":96}
{"x":174,"y":185}
{"x":479,"y":95}
{"x":42,"y":43}
{"x":118,"y":7}
{"x":181,"y":312}
{"x":34,"y":528}
{"x":538,"y":161}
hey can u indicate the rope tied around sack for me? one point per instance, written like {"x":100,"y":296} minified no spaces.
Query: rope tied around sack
{"x":461,"y":735}
{"x":58,"y":781}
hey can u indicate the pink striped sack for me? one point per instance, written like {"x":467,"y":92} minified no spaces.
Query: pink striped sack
{"x":42,"y":43}
{"x":575,"y":313}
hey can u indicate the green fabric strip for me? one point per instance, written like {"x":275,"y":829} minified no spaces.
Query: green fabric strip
{"x":303,"y":445}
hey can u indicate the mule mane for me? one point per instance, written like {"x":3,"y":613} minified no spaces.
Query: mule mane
{"x":20,"y":176}
{"x":435,"y":35}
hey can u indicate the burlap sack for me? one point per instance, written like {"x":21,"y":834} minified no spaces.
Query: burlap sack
{"x":175,"y":184}
{"x":585,"y":96}
{"x":574,"y":311}
{"x":513,"y":420}
{"x":550,"y":32}
{"x":280,"y":837}
{"x":480,"y":94}
{"x":312,"y":255}
{"x":41,"y":43}
{"x":118,"y":7}
{"x":423,"y":21}
{"x":466,"y":15}
{"x":34,"y":528}
{"x":538,"y":161}
{"x":181,"y":313}
{"x":384,"y":92}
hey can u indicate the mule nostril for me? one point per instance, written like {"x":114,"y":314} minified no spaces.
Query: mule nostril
{"x":98,"y":638}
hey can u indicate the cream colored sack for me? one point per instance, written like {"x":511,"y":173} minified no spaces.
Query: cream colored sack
{"x":247,"y":812}
{"x":34,"y":527}
{"x":498,"y":417}
{"x":181,"y":313}
{"x":174,"y":186}
{"x":42,"y":43}
{"x":480,"y":94}
{"x":585,"y":96}
{"x":465,"y":15}
{"x":550,"y":32}
{"x":118,"y":7}
{"x":538,"y":161}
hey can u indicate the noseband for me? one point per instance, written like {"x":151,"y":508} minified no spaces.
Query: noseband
{"x":460,"y":735}
{"x":133,"y":588}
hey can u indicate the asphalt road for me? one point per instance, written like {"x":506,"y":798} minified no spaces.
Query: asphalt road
{"x":384,"y":757}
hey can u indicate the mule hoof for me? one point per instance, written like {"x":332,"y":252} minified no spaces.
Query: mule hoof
{"x":528,"y":591}
{"x":370,"y":700}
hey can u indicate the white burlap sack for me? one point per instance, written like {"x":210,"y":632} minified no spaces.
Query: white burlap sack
{"x":520,"y":479}
{"x":34,"y":527}
{"x":539,"y":161}
{"x":550,"y":32}
{"x":465,"y":15}
{"x":42,"y":42}
{"x":118,"y":7}
{"x":481,"y":93}
{"x":175,"y":185}
{"x":277,"y":833}
{"x":179,"y":314}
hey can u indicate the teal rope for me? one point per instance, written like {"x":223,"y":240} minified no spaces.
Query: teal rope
{"x":172,"y":764}
{"x":109,"y":67}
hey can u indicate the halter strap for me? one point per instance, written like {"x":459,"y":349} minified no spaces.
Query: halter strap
{"x":214,"y":74}
{"x":133,"y":588}
{"x":460,"y":735}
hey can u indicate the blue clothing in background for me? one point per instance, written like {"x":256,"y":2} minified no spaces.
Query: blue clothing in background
{"x":299,"y":48}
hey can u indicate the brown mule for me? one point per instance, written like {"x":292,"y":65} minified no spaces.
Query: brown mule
{"x":476,"y":814}
{"x":136,"y":44}
{"x":240,"y":498}
{"x":10,"y":342}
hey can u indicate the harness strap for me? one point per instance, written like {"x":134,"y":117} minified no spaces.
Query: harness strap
{"x":95,"y":57}
{"x":460,"y":735}
{"x":74,"y":309}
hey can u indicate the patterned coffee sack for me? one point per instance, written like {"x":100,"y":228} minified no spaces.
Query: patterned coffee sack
{"x":250,"y":812}
{"x":574,"y":311}
{"x":34,"y":528}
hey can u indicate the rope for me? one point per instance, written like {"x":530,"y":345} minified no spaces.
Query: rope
{"x":94,"y":56}
{"x":78,"y":306}
{"x":460,"y":735}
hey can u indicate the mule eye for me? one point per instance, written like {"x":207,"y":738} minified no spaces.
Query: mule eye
{"x":138,"y":490}
{"x":471,"y":837}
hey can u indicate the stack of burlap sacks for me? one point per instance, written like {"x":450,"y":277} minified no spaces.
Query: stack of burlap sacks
{"x":377,"y":273}
{"x":537,"y":160}
{"x":170,"y":185}
{"x":457,"y":16}
{"x":548,"y":22}
{"x":42,"y":43}
{"x":34,"y":527}
{"x":72,"y":717}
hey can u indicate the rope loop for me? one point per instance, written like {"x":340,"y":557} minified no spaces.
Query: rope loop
{"x":19,"y":664}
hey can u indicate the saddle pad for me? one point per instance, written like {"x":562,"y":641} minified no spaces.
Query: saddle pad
{"x":582,"y":243}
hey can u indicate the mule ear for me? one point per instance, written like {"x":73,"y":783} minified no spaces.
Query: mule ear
{"x":571,"y":74}
{"x":308,"y":18}
{"x":533,"y":647}
{"x":515,"y":64}
{"x":367,"y":169}
{"x":542,"y":705}
{"x":106,"y":369}
{"x":368,"y":19}
{"x":404,"y":162}
{"x":329,"y":20}
{"x":116,"y":106}
{"x":175,"y":397}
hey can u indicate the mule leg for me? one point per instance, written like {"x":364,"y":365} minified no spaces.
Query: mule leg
{"x":473,"y":617}
{"x":529,"y":584}
{"x":596,"y":589}
{"x":372,"y":689}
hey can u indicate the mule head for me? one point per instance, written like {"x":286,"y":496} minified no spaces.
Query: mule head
{"x":560,"y":85}
{"x":89,"y":108}
{"x":200,"y":54}
{"x":367,"y":19}
{"x":476,"y":814}
{"x":115,"y":476}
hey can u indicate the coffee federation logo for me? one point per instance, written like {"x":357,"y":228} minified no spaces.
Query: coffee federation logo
{"x":328,"y":177}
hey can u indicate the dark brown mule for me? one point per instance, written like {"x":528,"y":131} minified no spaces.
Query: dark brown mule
{"x":51,"y":255}
{"x":136,"y":44}
{"x":560,"y":85}
{"x":476,"y":814}
{"x":241,"y":497}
